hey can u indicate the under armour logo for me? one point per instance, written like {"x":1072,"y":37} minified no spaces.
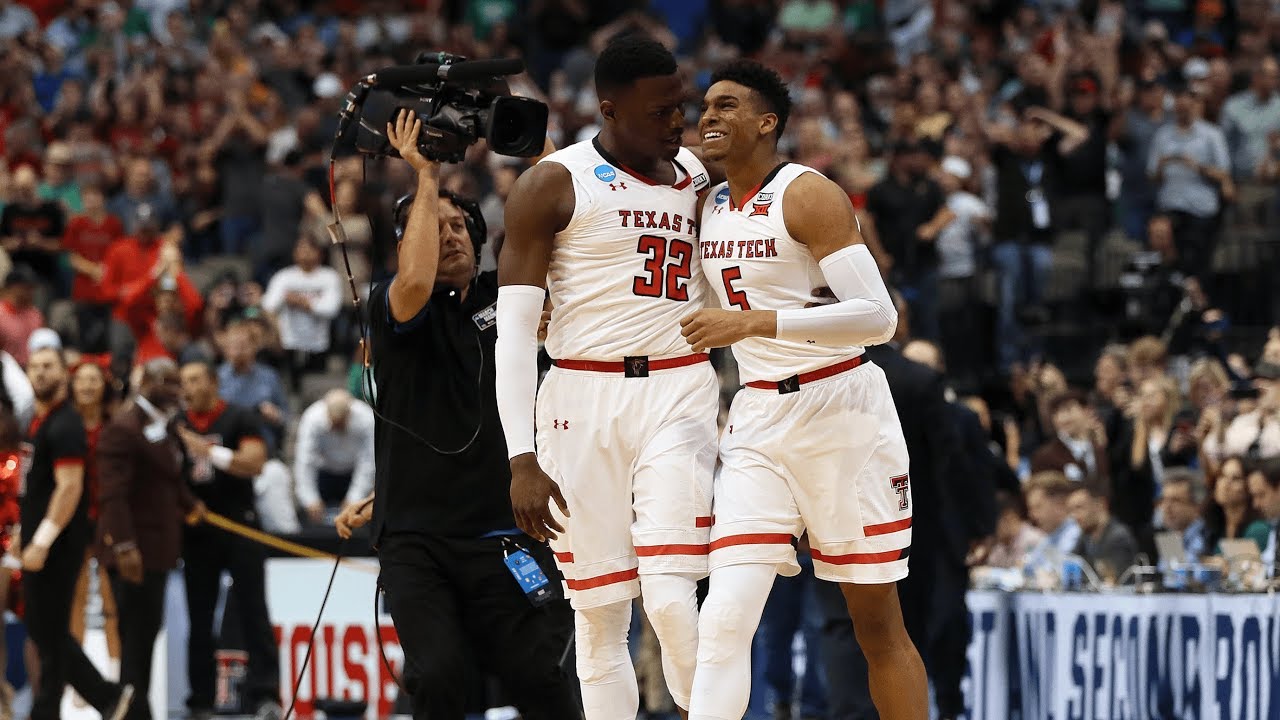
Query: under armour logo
{"x":730,"y":429}
{"x":617,"y":186}
{"x":900,"y":486}
{"x":560,"y":424}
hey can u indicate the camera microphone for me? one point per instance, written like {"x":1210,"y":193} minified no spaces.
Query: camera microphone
{"x":464,"y":71}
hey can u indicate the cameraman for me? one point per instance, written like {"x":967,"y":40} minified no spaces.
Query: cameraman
{"x":441,"y":518}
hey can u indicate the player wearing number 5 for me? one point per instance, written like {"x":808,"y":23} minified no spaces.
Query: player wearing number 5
{"x":626,"y":418}
{"x":813,"y":440}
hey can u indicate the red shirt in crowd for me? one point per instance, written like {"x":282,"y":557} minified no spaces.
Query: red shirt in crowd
{"x":139,"y":313}
{"x":16,"y":326}
{"x":129,"y":265}
{"x":91,"y":240}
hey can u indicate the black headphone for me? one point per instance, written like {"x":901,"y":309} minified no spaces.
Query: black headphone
{"x":476,"y":227}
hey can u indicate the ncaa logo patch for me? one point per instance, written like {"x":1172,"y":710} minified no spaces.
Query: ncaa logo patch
{"x":605,"y":173}
{"x":722,"y":197}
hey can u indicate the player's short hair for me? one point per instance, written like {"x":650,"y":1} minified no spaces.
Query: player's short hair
{"x":765,"y":81}
{"x":628,"y":58}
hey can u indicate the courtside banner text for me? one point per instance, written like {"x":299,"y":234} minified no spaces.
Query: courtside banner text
{"x":1124,"y":657}
{"x":345,"y":664}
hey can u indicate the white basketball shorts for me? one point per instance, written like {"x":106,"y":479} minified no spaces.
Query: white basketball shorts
{"x":635,"y":459}
{"x":827,"y":456}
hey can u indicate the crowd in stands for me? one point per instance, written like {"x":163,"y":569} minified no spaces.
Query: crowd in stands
{"x":1074,"y":199}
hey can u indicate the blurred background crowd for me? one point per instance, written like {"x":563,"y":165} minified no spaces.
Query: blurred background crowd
{"x":1074,"y":200}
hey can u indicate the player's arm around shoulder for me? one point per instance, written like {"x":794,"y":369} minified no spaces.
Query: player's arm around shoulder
{"x":819,"y":215}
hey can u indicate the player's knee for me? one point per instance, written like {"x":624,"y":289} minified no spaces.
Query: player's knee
{"x":602,"y":642}
{"x":668,"y":615}
{"x":722,"y":632}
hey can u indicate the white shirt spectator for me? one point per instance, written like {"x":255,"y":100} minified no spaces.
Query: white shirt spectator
{"x":958,"y":240}
{"x":19,"y":388}
{"x":303,"y":328}
{"x":274,"y":499}
{"x":321,"y":447}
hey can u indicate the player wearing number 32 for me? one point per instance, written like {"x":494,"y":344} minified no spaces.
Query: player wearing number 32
{"x":813,"y":440}
{"x":626,"y":418}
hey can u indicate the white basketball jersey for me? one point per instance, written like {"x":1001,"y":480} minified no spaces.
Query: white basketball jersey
{"x":625,"y":270}
{"x":752,"y":263}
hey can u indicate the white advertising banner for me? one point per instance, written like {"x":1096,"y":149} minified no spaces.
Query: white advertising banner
{"x":345,"y":662}
{"x":986,"y":683}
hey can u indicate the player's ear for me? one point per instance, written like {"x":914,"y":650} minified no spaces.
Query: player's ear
{"x":768,"y":123}
{"x":608,"y":110}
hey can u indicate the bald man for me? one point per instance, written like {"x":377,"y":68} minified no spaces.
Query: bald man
{"x":333,"y":464}
{"x":141,"y":473}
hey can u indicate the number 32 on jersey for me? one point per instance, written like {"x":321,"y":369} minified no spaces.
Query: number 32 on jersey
{"x":667,"y":267}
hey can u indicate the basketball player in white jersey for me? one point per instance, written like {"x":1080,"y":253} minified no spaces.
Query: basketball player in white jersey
{"x":626,"y":418}
{"x":813,"y":441}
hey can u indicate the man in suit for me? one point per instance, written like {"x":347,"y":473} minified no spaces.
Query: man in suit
{"x":144,"y":496}
{"x":969,"y":522}
{"x":936,"y":465}
{"x":1078,"y":449}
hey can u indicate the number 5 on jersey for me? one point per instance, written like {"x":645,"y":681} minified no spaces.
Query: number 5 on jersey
{"x":736,"y":297}
{"x":664,"y":278}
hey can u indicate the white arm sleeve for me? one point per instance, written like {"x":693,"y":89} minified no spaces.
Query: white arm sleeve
{"x":516,"y":361}
{"x":865,"y":314}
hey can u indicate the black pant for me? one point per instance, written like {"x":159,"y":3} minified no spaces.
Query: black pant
{"x":206,"y":555}
{"x":48,"y":620}
{"x":452,"y":598}
{"x":140,"y":612}
{"x":1196,"y":238}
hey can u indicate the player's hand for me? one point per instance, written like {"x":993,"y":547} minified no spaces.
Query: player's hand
{"x":33,"y":557}
{"x":129,"y":564}
{"x":353,"y":517}
{"x":543,"y":325}
{"x":403,"y":136}
{"x":531,"y":492}
{"x":712,"y":328}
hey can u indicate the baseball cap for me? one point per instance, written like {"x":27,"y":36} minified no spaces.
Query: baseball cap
{"x":957,"y":166}
{"x":1196,"y":68}
{"x":42,"y":338}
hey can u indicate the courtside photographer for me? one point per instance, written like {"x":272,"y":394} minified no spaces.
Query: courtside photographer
{"x":462,"y":584}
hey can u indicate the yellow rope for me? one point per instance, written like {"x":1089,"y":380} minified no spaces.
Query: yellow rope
{"x":280,"y":544}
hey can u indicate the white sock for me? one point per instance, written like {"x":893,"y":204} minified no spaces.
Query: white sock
{"x":605,"y":672}
{"x":671,"y":604}
{"x":730,"y":616}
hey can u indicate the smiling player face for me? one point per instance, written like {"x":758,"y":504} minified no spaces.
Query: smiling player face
{"x":734,"y":122}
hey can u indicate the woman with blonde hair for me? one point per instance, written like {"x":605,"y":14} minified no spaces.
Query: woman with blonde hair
{"x":1157,"y":442}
